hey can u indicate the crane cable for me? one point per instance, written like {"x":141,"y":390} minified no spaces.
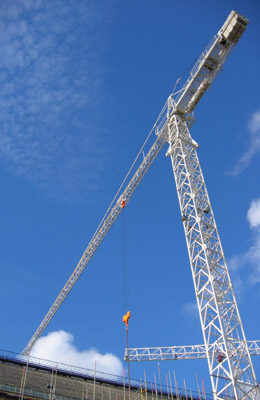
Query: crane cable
{"x":125,"y":270}
{"x":125,"y":286}
{"x":125,"y":320}
{"x":182,"y":75}
{"x":127,"y":315}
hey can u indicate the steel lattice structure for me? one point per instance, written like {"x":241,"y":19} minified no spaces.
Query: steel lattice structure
{"x":219,"y":316}
{"x":197,"y":351}
{"x":232,"y":375}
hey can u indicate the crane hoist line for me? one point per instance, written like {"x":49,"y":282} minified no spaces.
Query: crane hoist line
{"x":232,"y":375}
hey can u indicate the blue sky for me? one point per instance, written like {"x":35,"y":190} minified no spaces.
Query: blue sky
{"x":82,"y":83}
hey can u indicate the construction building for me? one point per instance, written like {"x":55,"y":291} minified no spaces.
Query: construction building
{"x":41,"y":379}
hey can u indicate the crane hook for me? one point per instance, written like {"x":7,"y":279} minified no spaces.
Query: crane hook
{"x":126,"y":318}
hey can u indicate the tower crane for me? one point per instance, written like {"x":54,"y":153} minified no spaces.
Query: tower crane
{"x":232,"y":375}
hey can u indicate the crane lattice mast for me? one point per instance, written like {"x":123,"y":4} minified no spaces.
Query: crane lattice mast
{"x":221,"y":324}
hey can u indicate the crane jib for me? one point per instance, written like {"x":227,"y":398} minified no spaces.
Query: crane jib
{"x":210,"y":63}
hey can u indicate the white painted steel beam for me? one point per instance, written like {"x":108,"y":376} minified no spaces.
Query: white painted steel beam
{"x":180,"y":352}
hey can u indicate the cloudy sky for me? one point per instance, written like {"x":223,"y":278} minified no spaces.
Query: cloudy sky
{"x":82,"y":83}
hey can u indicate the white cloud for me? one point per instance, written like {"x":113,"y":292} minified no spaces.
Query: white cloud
{"x":254,"y":144}
{"x":251,"y":257}
{"x":254,"y":123}
{"x":253,"y":214}
{"x":51,"y":86}
{"x":190,"y":310}
{"x":58,"y":346}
